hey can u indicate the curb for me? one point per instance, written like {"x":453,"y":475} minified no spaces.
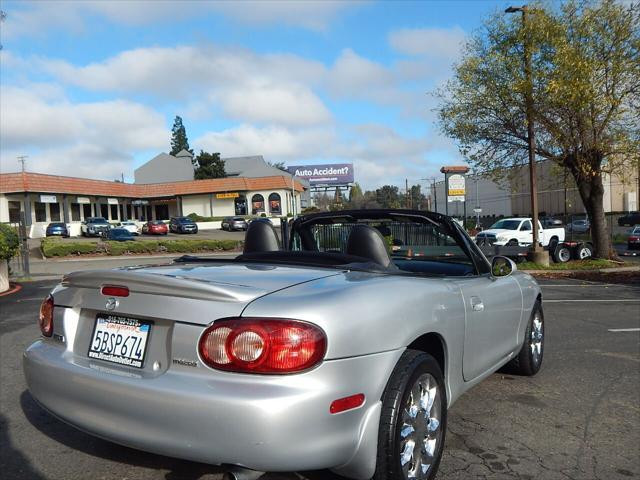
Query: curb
{"x":128,"y":257}
{"x":599,"y":270}
{"x":14,"y":287}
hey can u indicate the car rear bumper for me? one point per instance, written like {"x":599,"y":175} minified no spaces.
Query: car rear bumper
{"x":266,"y":423}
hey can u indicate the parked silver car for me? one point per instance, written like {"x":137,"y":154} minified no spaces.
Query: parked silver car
{"x":332,"y":353}
{"x":234,"y":223}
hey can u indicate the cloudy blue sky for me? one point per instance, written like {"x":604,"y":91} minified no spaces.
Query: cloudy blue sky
{"x":91,"y":88}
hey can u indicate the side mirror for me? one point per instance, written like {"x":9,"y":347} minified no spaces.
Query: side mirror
{"x":502,"y":266}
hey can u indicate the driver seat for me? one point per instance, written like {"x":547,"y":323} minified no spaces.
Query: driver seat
{"x":365,"y":241}
{"x":260,"y":237}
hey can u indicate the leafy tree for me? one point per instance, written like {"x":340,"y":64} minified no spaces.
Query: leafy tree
{"x":388,"y":196}
{"x":586,"y":96}
{"x":179,"y":140}
{"x":355,"y":194}
{"x":416,"y":198}
{"x":208,"y":165}
{"x":278,"y":165}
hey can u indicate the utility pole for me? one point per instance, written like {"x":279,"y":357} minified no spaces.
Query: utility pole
{"x":22,"y":159}
{"x":538,"y":254}
{"x":408,"y":199}
{"x":432,"y":186}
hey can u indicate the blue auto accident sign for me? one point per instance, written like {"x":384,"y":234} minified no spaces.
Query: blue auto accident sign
{"x":331,"y":174}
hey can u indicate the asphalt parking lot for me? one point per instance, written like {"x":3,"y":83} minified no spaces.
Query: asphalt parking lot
{"x":579,"y":418}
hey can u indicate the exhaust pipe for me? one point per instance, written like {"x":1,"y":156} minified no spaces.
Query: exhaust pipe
{"x":240,"y":473}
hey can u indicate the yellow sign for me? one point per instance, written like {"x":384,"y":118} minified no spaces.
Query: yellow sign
{"x":227,"y":195}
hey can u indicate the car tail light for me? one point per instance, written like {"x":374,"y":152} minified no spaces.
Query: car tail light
{"x":262,"y":345}
{"x":45,"y":320}
{"x":114,"y":291}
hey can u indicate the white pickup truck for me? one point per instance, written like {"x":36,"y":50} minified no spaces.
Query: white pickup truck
{"x":518,"y":231}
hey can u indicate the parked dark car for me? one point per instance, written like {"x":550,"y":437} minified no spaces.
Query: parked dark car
{"x":551,"y":222}
{"x":631,"y":218}
{"x":579,"y":226}
{"x":182,"y":225}
{"x":155,"y":227}
{"x":119,"y":235}
{"x":57,"y":230}
{"x":95,"y":227}
{"x":633,"y":242}
{"x":234,"y":223}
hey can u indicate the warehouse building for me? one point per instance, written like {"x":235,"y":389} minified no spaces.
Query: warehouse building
{"x":557,"y":194}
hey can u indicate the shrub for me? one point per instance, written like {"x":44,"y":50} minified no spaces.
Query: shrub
{"x":53,"y":247}
{"x":127,"y":248}
{"x":9,"y":242}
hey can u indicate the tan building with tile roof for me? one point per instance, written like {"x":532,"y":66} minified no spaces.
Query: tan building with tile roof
{"x":41,"y":199}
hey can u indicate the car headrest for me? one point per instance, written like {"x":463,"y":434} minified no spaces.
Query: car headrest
{"x":366,"y":242}
{"x":260,"y":237}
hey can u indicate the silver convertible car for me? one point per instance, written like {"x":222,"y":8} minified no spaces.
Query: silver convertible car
{"x":340,"y":348}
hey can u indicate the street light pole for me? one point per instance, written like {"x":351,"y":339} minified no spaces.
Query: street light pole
{"x":538,"y":253}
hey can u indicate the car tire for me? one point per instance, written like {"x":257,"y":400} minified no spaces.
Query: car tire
{"x":553,"y":243}
{"x":529,"y":359}
{"x":583,"y":251}
{"x":404,"y":420}
{"x":512,"y":243}
{"x":562,"y":254}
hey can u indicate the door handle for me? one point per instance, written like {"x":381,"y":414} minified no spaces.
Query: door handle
{"x":476,"y":304}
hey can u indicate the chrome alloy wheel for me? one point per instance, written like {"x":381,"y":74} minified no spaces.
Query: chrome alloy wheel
{"x":537,"y":338}
{"x":420,"y":433}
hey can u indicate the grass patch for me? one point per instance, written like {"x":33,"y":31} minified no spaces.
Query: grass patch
{"x":54,"y":247}
{"x":592,"y":264}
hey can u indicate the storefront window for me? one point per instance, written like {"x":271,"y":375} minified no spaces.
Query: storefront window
{"x":104,"y":210}
{"x":129,"y":213}
{"x":75,"y":212}
{"x":114,"y":212}
{"x":86,"y":210}
{"x":241,"y":205}
{"x":162,"y":212}
{"x":275,"y":204}
{"x":54,"y":212}
{"x":41,"y":211}
{"x":257,"y":204}
{"x":14,"y":211}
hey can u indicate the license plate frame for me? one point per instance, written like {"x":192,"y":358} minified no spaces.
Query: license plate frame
{"x":130,"y":350}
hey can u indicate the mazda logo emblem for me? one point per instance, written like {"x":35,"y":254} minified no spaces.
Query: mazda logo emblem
{"x":112,"y":303}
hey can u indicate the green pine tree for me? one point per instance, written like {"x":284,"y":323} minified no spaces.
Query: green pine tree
{"x":179,"y":140}
{"x":208,"y":165}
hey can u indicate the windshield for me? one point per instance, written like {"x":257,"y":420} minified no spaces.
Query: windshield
{"x":506,"y":225}
{"x":415,"y":243}
{"x":97,"y":220}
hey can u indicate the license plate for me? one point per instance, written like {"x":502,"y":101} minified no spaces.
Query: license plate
{"x":119,"y":340}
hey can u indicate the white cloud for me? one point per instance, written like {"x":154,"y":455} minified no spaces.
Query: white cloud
{"x":385,"y":143}
{"x":249,"y":87}
{"x":38,"y":18}
{"x":98,"y":138}
{"x":353,"y":74}
{"x":84,"y":160}
{"x":276,"y":143}
{"x":32,"y":119}
{"x":283,"y":104}
{"x":310,"y":14}
{"x":428,"y":42}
